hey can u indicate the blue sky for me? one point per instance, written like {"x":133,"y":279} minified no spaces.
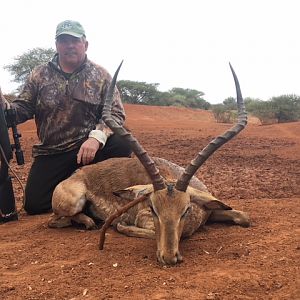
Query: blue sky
{"x":174,"y":43}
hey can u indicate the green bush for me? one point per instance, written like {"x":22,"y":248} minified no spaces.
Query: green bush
{"x":285,"y":108}
{"x":224,"y":115}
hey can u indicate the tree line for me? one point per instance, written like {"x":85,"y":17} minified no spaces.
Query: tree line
{"x":280,"y":109}
{"x":284,"y":108}
{"x":147,"y":93}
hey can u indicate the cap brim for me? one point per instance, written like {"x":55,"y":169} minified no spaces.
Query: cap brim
{"x":78,"y":35}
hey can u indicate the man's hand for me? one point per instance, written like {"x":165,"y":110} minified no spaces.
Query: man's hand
{"x":88,"y":150}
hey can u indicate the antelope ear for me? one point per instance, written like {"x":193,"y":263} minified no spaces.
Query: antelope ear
{"x":208,"y":202}
{"x":216,"y":205}
{"x":134,"y":192}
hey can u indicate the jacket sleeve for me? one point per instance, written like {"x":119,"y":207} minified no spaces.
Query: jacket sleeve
{"x":4,"y":104}
{"x":25,"y":102}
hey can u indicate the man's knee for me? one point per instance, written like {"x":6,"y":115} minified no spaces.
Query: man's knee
{"x":33,"y":209}
{"x":119,"y":146}
{"x":36,"y":204}
{"x":115,"y":146}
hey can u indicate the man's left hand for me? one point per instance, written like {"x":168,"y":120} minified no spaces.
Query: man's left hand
{"x":88,"y":150}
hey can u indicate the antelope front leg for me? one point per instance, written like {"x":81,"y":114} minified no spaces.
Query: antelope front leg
{"x":134,"y":231}
{"x":235,"y":216}
{"x":144,"y":225}
{"x":144,"y":219}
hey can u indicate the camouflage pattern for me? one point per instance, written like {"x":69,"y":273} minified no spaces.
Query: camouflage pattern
{"x":1,"y":96}
{"x":66,"y":110}
{"x":2,"y":100}
{"x":4,"y":104}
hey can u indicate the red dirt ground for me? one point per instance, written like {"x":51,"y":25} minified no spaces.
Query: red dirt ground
{"x":258,"y":172}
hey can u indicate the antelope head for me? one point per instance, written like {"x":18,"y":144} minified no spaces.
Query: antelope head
{"x":170,"y":202}
{"x":169,"y":209}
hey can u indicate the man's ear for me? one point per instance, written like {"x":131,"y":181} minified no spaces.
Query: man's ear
{"x":134,"y":192}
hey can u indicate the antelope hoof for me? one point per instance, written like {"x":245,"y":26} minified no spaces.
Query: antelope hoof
{"x":88,"y":222}
{"x":243,"y":223}
{"x":90,"y":225}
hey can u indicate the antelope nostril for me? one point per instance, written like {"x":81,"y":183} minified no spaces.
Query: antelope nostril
{"x":168,"y":260}
{"x":173,"y":260}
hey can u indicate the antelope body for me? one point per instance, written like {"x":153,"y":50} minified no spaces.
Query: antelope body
{"x":175,"y":203}
{"x":96,"y":184}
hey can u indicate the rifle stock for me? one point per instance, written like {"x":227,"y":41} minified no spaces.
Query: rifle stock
{"x":7,"y":200}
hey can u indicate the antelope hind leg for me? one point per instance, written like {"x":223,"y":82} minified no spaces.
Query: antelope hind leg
{"x":68,"y":201}
{"x":56,"y":221}
{"x":69,"y":197}
{"x":235,"y":216}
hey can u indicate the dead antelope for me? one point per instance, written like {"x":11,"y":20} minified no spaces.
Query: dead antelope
{"x":168,"y":201}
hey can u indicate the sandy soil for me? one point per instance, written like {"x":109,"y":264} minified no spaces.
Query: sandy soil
{"x":258,"y":172}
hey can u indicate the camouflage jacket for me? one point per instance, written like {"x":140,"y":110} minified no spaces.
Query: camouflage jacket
{"x":2,"y":100}
{"x":66,"y":110}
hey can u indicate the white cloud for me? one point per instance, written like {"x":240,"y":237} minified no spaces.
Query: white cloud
{"x":175,"y":43}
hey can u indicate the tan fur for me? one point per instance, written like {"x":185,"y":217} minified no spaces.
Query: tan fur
{"x":174,"y":214}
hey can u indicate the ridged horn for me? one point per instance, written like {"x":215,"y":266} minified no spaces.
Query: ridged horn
{"x":183,"y":182}
{"x":142,"y":155}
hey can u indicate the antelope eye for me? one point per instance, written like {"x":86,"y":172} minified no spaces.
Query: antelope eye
{"x":187,"y":211}
{"x":153,"y":211}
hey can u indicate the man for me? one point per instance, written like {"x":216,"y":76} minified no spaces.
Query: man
{"x":66,"y":98}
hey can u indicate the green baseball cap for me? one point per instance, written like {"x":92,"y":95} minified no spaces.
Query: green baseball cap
{"x":70,"y":27}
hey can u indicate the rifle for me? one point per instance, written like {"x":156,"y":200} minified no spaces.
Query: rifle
{"x":8,"y":210}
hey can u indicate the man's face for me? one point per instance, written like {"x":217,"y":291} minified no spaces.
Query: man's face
{"x":71,"y":50}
